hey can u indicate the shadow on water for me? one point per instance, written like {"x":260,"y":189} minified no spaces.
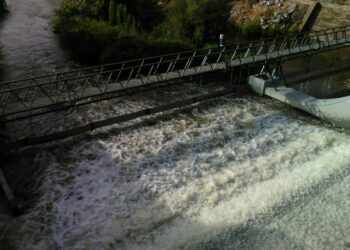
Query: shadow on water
{"x":256,"y":236}
{"x":250,"y":238}
{"x":251,"y":235}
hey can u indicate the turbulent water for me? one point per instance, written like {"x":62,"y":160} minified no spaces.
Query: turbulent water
{"x":234,"y":173}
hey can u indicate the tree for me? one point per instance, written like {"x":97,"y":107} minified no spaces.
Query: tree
{"x":198,"y":20}
{"x":112,"y":12}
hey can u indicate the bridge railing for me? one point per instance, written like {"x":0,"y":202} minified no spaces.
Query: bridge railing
{"x":73,"y":86}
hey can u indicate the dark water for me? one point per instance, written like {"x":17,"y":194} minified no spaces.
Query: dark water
{"x":28,"y":45}
{"x":327,"y":85}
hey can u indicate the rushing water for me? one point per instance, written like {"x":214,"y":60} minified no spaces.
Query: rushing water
{"x":234,"y":173}
{"x":28,"y":45}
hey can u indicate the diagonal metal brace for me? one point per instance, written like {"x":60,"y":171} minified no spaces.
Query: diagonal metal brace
{"x":14,"y":205}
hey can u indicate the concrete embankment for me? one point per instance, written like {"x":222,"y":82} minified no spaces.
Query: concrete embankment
{"x":310,"y":17}
{"x":334,"y":13}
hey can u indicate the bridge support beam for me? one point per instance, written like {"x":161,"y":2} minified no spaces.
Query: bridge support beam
{"x":3,"y":6}
{"x":8,"y":194}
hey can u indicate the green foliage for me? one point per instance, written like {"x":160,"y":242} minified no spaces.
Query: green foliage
{"x":92,"y":38}
{"x":251,"y":28}
{"x":122,"y":29}
{"x":129,"y":48}
{"x":68,"y":11}
{"x":118,"y":15}
{"x":106,"y":31}
{"x":293,"y":29}
{"x":198,"y":21}
{"x":148,"y":13}
{"x":112,"y":10}
{"x":272,"y":30}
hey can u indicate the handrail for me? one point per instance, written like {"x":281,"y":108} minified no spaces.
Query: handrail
{"x":79,"y":83}
{"x":332,"y":30}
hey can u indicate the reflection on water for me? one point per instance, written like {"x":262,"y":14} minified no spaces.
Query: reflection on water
{"x":29,"y":47}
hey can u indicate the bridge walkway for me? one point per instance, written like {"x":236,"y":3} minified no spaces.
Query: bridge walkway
{"x":26,"y":98}
{"x":33,"y":96}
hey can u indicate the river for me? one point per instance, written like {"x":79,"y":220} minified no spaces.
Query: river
{"x":233,"y":173}
{"x":28,"y":45}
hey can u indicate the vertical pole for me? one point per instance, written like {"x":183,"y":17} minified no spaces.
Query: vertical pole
{"x":8,"y":193}
{"x":221,"y":37}
{"x":240,"y":76}
{"x":231,"y":80}
{"x":3,"y":6}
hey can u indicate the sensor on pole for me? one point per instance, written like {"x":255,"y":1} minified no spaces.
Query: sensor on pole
{"x":221,"y":40}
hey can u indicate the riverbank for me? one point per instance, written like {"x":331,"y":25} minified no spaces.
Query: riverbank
{"x":109,"y":31}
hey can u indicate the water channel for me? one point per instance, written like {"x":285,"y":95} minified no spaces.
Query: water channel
{"x":234,"y":173}
{"x":28,"y":45}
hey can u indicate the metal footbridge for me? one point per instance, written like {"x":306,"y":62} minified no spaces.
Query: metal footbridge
{"x":32,"y":96}
{"x":44,"y":94}
{"x":21,"y":100}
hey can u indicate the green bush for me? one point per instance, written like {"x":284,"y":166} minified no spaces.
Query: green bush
{"x":198,"y":21}
{"x":68,"y":11}
{"x":251,"y":28}
{"x":147,"y":13}
{"x":293,"y":29}
{"x":112,"y":12}
{"x":118,"y":15}
{"x":272,"y":30}
{"x":114,"y":30}
{"x":130,"y":48}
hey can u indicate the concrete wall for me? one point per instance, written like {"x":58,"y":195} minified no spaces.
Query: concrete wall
{"x":334,"y":13}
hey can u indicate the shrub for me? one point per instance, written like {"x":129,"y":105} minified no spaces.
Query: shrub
{"x":68,"y":11}
{"x":197,"y":20}
{"x":112,"y":12}
{"x":293,"y":29}
{"x":251,"y":28}
{"x":130,"y":48}
{"x":272,"y":30}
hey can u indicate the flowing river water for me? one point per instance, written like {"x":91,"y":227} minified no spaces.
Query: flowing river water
{"x":234,"y":173}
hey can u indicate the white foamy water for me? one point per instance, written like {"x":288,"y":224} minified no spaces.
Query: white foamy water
{"x":240,"y":173}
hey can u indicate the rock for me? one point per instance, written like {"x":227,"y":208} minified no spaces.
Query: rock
{"x":263,"y":21}
{"x":264,"y":27}
{"x":292,"y":8}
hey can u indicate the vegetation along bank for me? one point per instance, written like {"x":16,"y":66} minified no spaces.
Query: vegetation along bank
{"x":102,"y":31}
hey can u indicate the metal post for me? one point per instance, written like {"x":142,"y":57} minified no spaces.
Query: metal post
{"x":221,"y":37}
{"x":3,"y":5}
{"x":8,"y":193}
